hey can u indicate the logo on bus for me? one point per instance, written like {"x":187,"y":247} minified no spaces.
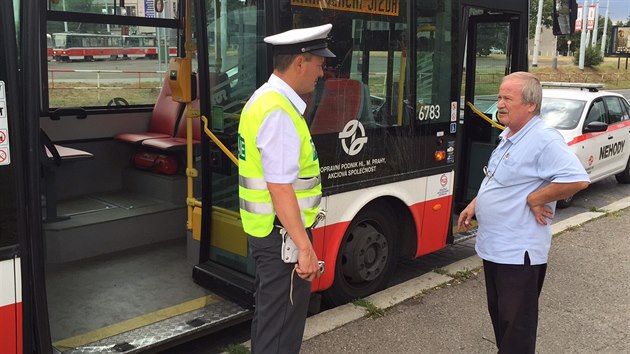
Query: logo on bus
{"x":443,"y":180}
{"x":353,"y":137}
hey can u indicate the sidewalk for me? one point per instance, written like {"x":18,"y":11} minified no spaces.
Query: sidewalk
{"x":585,"y":302}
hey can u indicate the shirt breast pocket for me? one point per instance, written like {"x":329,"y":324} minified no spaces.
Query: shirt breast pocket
{"x":511,"y":172}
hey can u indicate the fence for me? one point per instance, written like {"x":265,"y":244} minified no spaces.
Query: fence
{"x":93,"y":83}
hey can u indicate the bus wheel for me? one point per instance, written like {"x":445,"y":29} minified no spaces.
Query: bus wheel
{"x":367,"y":257}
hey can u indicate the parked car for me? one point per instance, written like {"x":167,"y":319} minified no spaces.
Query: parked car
{"x":494,"y":50}
{"x":595,"y":124}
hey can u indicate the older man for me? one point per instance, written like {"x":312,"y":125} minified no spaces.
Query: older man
{"x":529,"y":170}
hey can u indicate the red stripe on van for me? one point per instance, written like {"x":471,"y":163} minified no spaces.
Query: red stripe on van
{"x":612,"y":127}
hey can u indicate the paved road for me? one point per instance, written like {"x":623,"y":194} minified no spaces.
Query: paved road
{"x":584,"y":305}
{"x":595,"y":197}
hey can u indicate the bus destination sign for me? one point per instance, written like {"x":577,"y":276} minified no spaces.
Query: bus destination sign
{"x":378,"y":7}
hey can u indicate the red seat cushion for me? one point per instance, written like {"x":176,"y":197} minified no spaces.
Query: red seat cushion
{"x":179,"y":140}
{"x":340,"y":103}
{"x":163,"y":120}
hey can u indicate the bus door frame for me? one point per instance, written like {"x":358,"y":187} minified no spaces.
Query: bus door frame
{"x":23,"y":93}
{"x":517,"y":60}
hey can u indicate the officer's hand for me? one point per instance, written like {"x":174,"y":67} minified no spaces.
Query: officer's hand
{"x":307,"y":267}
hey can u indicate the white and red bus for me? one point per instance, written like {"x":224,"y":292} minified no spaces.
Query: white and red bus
{"x":93,"y":46}
{"x":143,"y":46}
{"x":96,"y":254}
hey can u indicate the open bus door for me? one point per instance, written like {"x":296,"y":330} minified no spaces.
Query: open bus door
{"x":492,"y":50}
{"x":59,"y":296}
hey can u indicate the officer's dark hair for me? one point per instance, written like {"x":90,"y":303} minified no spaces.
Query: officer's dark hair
{"x":281,"y":62}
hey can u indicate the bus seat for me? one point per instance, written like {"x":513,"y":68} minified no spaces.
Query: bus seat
{"x":53,"y":156}
{"x":178,"y":142}
{"x":312,"y":100}
{"x":164,"y":119}
{"x":221,"y":88}
{"x":341,"y":102}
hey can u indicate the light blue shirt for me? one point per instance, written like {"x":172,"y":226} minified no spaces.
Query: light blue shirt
{"x":278,"y":139}
{"x":529,"y":160}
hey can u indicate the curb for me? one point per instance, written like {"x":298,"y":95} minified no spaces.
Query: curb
{"x":339,"y":316}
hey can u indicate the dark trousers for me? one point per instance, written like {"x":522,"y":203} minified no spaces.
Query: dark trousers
{"x":513,"y":292}
{"x":278,"y":325}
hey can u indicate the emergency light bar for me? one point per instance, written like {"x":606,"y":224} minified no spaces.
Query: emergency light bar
{"x":580,"y":85}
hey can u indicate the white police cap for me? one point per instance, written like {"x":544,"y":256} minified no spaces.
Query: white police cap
{"x":303,"y":40}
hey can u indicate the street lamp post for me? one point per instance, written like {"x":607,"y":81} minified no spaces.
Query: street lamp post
{"x":65,"y":24}
{"x":568,"y":47}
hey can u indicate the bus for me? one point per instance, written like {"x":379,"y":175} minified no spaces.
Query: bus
{"x":95,"y":46}
{"x":119,"y":224}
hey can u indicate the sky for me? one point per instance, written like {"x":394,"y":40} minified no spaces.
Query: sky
{"x":619,"y":10}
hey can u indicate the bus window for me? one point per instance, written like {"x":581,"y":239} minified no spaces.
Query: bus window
{"x":370,"y":49}
{"x":492,"y":41}
{"x":88,"y":68}
{"x":433,"y":55}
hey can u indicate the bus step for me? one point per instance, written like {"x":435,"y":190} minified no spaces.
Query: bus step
{"x":217,"y":315}
{"x":463,"y":236}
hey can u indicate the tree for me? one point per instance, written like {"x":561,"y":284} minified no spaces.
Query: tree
{"x":591,"y":57}
{"x":547,"y":14}
{"x":576,"y":37}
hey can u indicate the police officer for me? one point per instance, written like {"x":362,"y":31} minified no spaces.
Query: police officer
{"x":280,"y":189}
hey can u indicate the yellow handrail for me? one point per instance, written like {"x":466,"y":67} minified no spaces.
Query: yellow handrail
{"x":485,"y":117}
{"x":217,"y":141}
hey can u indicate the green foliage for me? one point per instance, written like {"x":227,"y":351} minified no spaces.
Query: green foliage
{"x":592,"y":57}
{"x":547,"y":13}
{"x":372,"y":310}
{"x":576,"y":37}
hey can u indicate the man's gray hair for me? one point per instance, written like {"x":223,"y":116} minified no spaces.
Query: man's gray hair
{"x":532,"y":90}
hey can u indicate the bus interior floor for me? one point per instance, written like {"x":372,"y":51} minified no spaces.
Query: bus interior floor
{"x":108,"y":222}
{"x":118,"y":292}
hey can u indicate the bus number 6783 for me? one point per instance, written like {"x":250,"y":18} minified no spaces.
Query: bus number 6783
{"x":429,"y":112}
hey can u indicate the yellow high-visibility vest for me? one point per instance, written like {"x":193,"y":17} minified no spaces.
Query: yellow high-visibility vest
{"x":256,"y":207}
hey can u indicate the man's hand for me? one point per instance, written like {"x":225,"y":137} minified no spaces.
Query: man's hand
{"x":307,"y":267}
{"x":538,"y":199}
{"x":288,"y":212}
{"x":542,"y":213}
{"x":465,"y":217}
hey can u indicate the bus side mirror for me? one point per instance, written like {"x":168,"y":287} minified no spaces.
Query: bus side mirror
{"x":564,"y":16}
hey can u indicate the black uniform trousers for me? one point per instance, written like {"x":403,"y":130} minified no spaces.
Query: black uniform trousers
{"x":513,"y":292}
{"x":278,"y":324}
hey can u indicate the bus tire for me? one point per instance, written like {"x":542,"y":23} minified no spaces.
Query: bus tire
{"x":366,"y":258}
